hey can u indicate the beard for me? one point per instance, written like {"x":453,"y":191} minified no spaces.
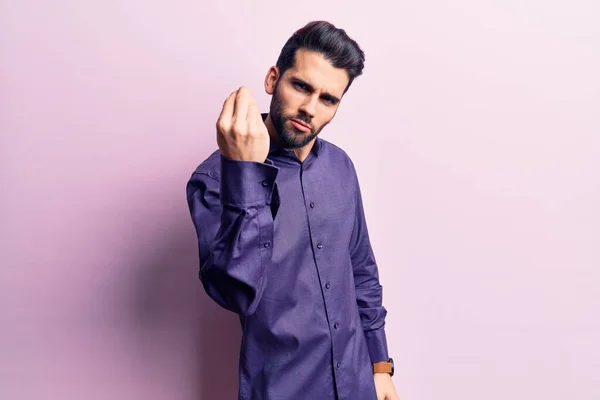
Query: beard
{"x":291,"y":137}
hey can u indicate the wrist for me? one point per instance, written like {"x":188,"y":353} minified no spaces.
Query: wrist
{"x":384,"y":367}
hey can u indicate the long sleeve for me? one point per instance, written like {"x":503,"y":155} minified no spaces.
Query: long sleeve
{"x":233,"y":217}
{"x":369,"y":294}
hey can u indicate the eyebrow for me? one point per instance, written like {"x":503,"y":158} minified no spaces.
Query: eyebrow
{"x":326,"y":95}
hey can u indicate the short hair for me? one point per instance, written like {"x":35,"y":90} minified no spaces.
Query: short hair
{"x":324,"y":38}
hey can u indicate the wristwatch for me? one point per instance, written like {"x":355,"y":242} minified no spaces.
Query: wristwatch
{"x":384,"y":367}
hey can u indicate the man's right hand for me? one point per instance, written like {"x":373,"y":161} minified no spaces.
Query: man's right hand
{"x":241,"y":132}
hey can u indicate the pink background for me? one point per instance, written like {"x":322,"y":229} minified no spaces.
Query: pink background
{"x":475,"y":130}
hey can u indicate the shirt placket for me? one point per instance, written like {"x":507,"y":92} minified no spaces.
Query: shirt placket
{"x":319,"y":246}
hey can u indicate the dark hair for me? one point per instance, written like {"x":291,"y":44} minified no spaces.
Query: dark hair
{"x":324,"y":38}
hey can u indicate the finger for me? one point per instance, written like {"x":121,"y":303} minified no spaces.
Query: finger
{"x":242,"y":101}
{"x":228,"y":104}
{"x":253,"y":116}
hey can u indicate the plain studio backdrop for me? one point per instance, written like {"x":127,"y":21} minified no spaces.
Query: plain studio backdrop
{"x":475,"y":131}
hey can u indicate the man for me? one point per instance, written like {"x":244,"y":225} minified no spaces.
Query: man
{"x":282,"y":236}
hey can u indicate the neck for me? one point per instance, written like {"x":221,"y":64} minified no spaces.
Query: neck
{"x":300,"y":152}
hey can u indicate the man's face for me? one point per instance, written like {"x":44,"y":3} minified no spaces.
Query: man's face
{"x":306,"y":98}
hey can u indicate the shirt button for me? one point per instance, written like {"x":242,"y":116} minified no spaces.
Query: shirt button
{"x":267,"y":244}
{"x":336,"y":325}
{"x":327,"y":285}
{"x":319,"y":246}
{"x":312,"y":205}
{"x":337,"y":365}
{"x":265,"y":183}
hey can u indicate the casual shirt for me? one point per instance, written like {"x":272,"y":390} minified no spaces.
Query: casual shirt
{"x":284,"y":244}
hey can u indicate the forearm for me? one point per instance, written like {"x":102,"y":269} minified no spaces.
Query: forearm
{"x":369,"y":294}
{"x":234,"y":222}
{"x":233,"y":270}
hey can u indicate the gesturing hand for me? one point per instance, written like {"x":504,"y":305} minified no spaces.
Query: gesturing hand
{"x":241,"y":132}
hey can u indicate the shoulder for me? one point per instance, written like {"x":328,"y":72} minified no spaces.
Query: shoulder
{"x":337,"y":157}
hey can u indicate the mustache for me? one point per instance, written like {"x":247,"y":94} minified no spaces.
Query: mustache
{"x":304,"y":118}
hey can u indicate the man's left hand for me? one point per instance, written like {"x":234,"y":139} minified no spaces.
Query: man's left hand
{"x":385,"y":387}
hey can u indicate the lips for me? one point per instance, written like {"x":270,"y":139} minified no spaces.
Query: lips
{"x":301,"y":124}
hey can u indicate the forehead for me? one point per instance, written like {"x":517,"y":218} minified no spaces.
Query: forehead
{"x":313,"y":68}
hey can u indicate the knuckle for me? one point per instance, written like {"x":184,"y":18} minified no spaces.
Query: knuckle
{"x":239,"y":129}
{"x":244,"y":91}
{"x":222,"y":126}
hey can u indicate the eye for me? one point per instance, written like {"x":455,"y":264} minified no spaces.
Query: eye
{"x":329,"y":101}
{"x":301,"y":86}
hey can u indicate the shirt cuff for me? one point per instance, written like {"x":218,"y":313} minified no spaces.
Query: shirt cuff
{"x":247,"y":183}
{"x":377,"y":345}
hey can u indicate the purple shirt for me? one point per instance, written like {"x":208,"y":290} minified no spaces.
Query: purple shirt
{"x":284,"y":244}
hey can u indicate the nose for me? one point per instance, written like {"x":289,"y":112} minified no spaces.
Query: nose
{"x":310,"y":105}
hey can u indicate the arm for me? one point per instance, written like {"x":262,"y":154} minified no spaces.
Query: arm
{"x":368,"y":288}
{"x":369,"y":298}
{"x":233,"y":219}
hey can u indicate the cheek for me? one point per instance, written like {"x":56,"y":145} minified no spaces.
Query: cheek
{"x":291,"y":99}
{"x":326,"y":114}
{"x":294,"y":101}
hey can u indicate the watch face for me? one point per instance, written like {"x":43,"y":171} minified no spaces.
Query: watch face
{"x":392,"y":362}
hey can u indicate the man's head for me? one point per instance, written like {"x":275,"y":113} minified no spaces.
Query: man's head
{"x":314,"y":70}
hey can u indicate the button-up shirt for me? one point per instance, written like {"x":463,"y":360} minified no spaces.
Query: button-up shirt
{"x":284,"y":244}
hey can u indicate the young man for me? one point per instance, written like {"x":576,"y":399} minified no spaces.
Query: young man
{"x":282,"y":235}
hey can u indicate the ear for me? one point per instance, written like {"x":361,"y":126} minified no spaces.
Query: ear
{"x":271,"y":79}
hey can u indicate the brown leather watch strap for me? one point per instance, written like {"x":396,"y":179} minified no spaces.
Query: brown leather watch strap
{"x":382,"y":367}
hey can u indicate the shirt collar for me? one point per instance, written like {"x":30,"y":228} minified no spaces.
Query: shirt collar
{"x":274,"y":146}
